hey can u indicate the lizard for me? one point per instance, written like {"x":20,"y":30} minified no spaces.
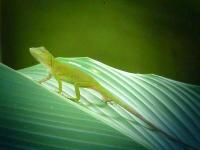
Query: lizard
{"x":69,"y":73}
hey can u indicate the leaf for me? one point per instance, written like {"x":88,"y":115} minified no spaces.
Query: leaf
{"x":170,"y":105}
{"x":31,"y":117}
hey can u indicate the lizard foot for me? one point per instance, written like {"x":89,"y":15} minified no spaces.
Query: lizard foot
{"x":108,"y":101}
{"x":71,"y":98}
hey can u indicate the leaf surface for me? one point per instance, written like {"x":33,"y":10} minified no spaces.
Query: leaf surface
{"x":172,"y":106}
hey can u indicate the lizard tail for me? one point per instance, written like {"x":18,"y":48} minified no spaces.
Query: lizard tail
{"x":110,"y":97}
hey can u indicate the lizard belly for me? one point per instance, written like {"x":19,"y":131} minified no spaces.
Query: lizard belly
{"x":68,"y":79}
{"x":82,"y":81}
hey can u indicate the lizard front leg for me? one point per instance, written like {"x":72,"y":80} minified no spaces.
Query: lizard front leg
{"x":77,"y":90}
{"x":45,"y":79}
{"x":59,"y":86}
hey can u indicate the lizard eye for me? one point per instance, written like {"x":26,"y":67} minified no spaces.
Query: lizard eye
{"x":43,"y":49}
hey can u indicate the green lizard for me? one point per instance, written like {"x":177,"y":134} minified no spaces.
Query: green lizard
{"x":72,"y":74}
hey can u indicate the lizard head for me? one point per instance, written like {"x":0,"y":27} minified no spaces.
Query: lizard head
{"x":42,"y":55}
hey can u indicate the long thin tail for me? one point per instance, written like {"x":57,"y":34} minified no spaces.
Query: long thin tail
{"x":155,"y":128}
{"x":110,"y":97}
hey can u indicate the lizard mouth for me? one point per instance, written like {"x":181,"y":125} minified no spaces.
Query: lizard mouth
{"x":42,"y":55}
{"x":35,"y":53}
{"x":37,"y":49}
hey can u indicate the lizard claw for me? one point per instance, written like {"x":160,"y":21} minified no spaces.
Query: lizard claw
{"x":60,"y":93}
{"x":71,"y":98}
{"x":108,"y":101}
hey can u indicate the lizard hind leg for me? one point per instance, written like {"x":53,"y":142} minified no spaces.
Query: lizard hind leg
{"x":77,"y":94}
{"x":107,"y":100}
{"x":103,"y":93}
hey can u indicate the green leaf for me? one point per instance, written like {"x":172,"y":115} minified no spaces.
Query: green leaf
{"x":172,"y":106}
{"x":31,"y":117}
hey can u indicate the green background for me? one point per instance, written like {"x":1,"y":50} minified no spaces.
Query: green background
{"x":160,"y":37}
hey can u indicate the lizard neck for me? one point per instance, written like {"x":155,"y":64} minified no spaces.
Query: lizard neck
{"x":50,"y":63}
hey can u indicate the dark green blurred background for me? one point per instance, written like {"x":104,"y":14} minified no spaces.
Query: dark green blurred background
{"x":160,"y":37}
